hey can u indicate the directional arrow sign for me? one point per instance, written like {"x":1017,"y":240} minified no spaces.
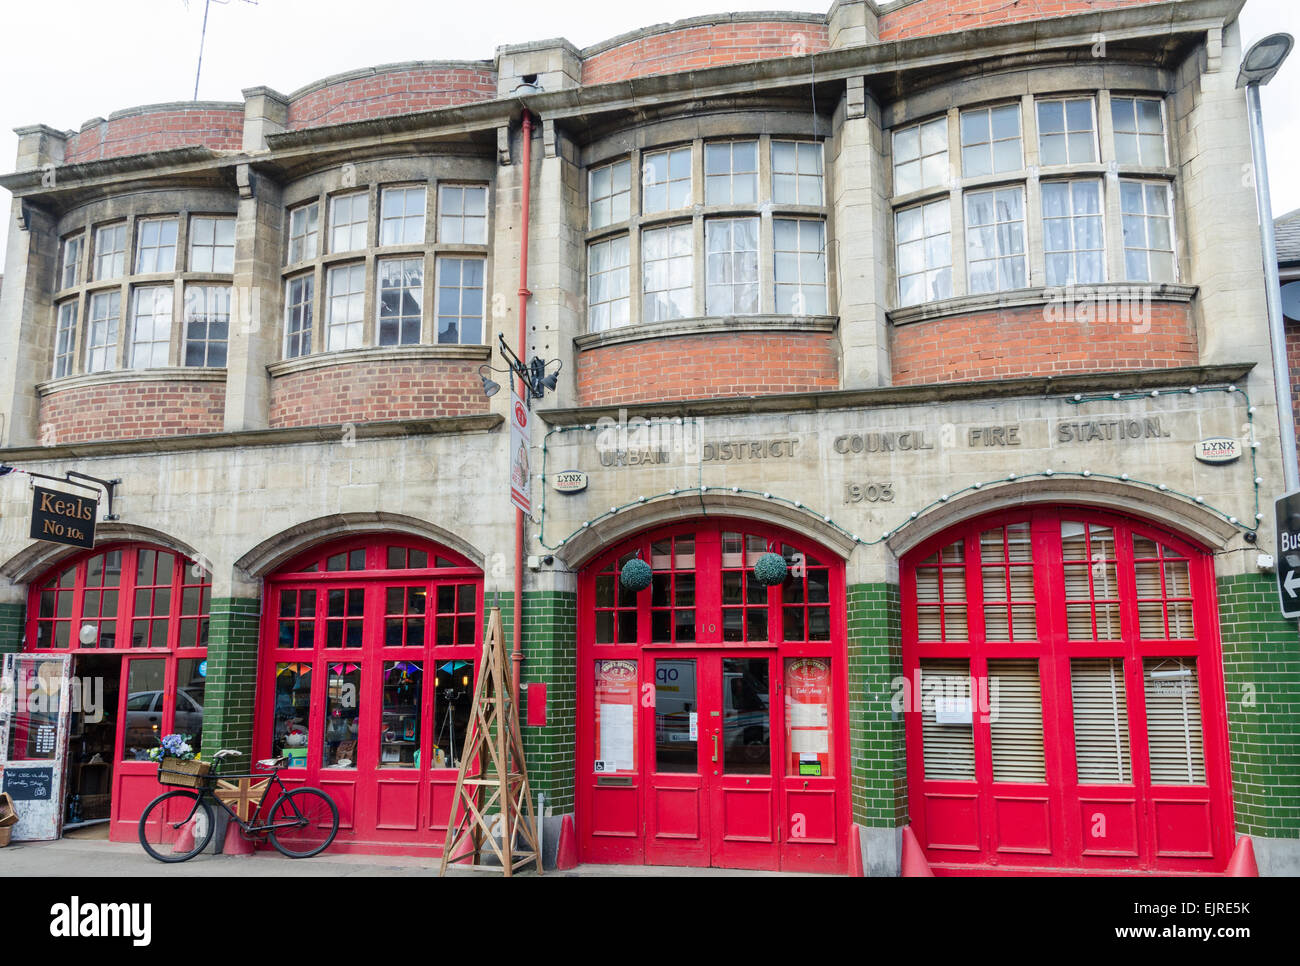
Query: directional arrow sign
{"x":1288,"y":553}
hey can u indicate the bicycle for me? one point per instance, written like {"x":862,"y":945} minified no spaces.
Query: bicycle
{"x":178,"y":825}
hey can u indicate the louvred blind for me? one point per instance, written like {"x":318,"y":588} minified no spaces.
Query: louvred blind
{"x":949,"y":748}
{"x":1101,"y":749}
{"x":1174,"y":721}
{"x":1016,"y":721}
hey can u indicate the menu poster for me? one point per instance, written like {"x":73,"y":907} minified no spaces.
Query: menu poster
{"x":615,"y":716}
{"x":808,"y":716}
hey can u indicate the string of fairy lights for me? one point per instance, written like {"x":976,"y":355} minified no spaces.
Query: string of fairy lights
{"x":1077,"y":399}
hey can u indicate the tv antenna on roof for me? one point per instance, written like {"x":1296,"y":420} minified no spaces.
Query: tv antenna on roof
{"x":204,"y":35}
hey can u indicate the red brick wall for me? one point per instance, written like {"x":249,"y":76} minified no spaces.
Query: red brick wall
{"x":222,"y":130}
{"x":708,"y":366}
{"x":360,"y":392}
{"x":1023,"y":342}
{"x":948,"y":16}
{"x":708,"y":45}
{"x":132,"y":410}
{"x":387,"y":93}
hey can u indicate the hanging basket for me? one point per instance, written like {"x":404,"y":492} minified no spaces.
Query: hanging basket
{"x":770,"y":569}
{"x":636,"y":575}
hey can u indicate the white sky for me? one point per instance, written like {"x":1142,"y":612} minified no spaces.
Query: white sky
{"x":66,"y":61}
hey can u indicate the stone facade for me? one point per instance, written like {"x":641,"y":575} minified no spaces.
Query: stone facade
{"x":863,"y":425}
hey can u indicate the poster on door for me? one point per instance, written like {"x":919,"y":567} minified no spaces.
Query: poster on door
{"x":615,"y":717}
{"x":34,"y":718}
{"x":808,"y":716}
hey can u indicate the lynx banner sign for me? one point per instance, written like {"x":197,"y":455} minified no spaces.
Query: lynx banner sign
{"x":63,"y":517}
{"x":1288,"y":553}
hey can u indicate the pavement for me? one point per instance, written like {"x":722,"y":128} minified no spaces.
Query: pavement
{"x":96,"y":859}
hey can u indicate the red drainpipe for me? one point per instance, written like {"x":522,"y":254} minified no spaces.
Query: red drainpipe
{"x":526,"y":157}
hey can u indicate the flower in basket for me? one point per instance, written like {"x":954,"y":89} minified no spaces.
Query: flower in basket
{"x":174,"y":746}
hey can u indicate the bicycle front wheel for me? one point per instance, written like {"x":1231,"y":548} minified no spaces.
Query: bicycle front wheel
{"x":176,"y":826}
{"x":303,"y":822}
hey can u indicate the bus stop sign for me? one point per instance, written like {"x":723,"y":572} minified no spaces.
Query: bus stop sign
{"x":1288,"y":553}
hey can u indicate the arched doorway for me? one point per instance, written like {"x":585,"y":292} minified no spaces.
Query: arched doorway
{"x":712,"y":710}
{"x":369,"y":651}
{"x":134,"y":618}
{"x":1065,"y":703}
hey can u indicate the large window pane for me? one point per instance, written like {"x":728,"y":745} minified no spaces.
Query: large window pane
{"x":1073,"y":235}
{"x":452,"y":702}
{"x":342,"y":723}
{"x":995,"y":240}
{"x":1173,"y":703}
{"x":399,"y":728}
{"x":144,"y":707}
{"x":668,"y":268}
{"x":921,"y":156}
{"x":292,"y":712}
{"x":401,"y":299}
{"x":923,"y":239}
{"x":731,"y":246}
{"x":607,"y":284}
{"x":800,"y":266}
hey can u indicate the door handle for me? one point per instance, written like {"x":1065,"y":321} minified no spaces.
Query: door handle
{"x":715,"y":746}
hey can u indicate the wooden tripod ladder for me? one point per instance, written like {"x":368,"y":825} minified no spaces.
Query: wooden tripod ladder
{"x":492,"y":771}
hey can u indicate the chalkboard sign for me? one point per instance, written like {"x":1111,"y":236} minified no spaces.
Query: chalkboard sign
{"x":29,"y":784}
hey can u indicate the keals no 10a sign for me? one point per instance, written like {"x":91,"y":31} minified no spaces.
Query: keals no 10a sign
{"x":63,"y":518}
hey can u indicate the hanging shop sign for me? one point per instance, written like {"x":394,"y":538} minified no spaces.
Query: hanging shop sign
{"x":570,"y":481}
{"x":520,"y":471}
{"x":63,"y":518}
{"x":1218,"y":449}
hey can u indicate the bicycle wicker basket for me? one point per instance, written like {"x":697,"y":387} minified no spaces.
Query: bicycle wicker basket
{"x":183,"y":773}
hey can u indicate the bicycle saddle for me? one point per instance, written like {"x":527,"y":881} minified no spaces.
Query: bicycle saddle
{"x":227,"y":753}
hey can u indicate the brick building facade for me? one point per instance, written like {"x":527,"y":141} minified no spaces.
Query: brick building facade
{"x":932,"y":300}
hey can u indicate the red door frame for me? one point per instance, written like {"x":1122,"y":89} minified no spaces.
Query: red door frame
{"x":1068,"y":806}
{"x":134,"y":783}
{"x":381,"y":810}
{"x":615,"y":813}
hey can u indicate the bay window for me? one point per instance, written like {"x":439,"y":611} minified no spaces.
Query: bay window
{"x":401,"y":300}
{"x":155,"y":248}
{"x":800,"y":265}
{"x":666,"y":180}
{"x":607,"y":283}
{"x":668,"y":270}
{"x":212,"y":245}
{"x":924,"y":252}
{"x":298,"y":299}
{"x":65,"y":336}
{"x":151,"y":326}
{"x":345,"y":307}
{"x":990,"y":141}
{"x":460,"y":300}
{"x":348,"y":221}
{"x":1067,"y":133}
{"x":110,"y":252}
{"x":101,"y":331}
{"x":1073,"y":233}
{"x":1148,"y":231}
{"x":731,"y":266}
{"x":207,"y":324}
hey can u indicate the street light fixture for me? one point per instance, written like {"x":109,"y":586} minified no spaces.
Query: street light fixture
{"x":533,"y":374}
{"x":1258,"y":67}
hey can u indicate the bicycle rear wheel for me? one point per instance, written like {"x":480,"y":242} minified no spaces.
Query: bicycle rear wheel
{"x":309,"y":820}
{"x":176,"y":826}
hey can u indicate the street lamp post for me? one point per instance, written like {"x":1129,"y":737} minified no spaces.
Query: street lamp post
{"x":1259,"y":66}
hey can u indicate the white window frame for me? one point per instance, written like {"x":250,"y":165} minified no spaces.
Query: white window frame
{"x":1003,"y":232}
{"x":988,"y":148}
{"x":71,"y":260}
{"x":614,"y":309}
{"x":208,"y":257}
{"x":609,"y":194}
{"x":809,"y":187}
{"x":154,"y":305}
{"x":1146,"y":218}
{"x":455,"y":223}
{"x":931,"y":168}
{"x":299,"y":310}
{"x":931,"y":272}
{"x":1137,"y":135}
{"x":1073,"y":220}
{"x":403,"y":288}
{"x":101,"y":330}
{"x":808,"y":290}
{"x":732,"y":176}
{"x":353,"y":234}
{"x":1068,"y":134}
{"x":731,"y":257}
{"x":65,"y":337}
{"x":408,"y":225}
{"x":651,"y":164}
{"x":204,"y":300}
{"x":304,"y":233}
{"x":345,"y":309}
{"x":114,"y":254}
{"x":161,"y":253}
{"x":658,"y":302}
{"x":461,"y":289}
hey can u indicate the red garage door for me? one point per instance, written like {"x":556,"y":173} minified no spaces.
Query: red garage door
{"x":1065,"y":697}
